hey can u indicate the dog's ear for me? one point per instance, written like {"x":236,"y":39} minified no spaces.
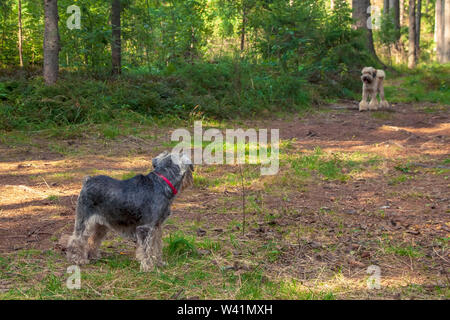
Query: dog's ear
{"x":374,"y":73}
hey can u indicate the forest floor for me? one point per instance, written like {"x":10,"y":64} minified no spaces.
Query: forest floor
{"x":354,"y":190}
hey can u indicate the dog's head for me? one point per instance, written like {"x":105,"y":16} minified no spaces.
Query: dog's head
{"x":368,"y":74}
{"x":178,"y":164}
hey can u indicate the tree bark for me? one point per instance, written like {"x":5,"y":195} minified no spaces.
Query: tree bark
{"x":439,"y":30}
{"x":396,"y":9}
{"x":116,"y":45}
{"x":386,"y":7}
{"x":244,"y":21}
{"x":361,"y":17}
{"x":446,"y":55}
{"x":51,"y":42}
{"x":19,"y":36}
{"x":418,"y":23}
{"x":412,"y":35}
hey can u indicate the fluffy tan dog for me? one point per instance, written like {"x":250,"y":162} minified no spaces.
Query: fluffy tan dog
{"x":372,"y":85}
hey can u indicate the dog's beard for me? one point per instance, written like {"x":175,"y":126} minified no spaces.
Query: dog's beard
{"x":188,"y":179}
{"x":367,"y":80}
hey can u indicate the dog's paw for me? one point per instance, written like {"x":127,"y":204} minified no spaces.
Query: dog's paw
{"x":161,"y":264}
{"x":363,"y":106}
{"x":147,"y":266}
{"x":373,"y":105}
{"x":78,"y":261}
{"x":94,"y":255}
{"x":384,"y":104}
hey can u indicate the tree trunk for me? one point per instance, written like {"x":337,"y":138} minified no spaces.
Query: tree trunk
{"x":386,"y":7}
{"x":244,"y":20}
{"x":412,"y":35}
{"x":446,"y":55}
{"x":361,"y":17}
{"x":116,"y":45}
{"x":439,"y":30}
{"x":19,"y":12}
{"x":418,"y":23}
{"x":403,"y":13}
{"x":51,"y":42}
{"x":396,"y":9}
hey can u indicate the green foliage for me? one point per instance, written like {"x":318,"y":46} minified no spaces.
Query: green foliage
{"x":388,"y":34}
{"x":179,"y":56}
{"x":426,"y":84}
{"x":179,"y":247}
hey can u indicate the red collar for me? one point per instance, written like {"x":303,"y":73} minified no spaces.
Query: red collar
{"x":174,"y":191}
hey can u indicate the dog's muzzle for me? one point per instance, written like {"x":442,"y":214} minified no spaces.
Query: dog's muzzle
{"x":366,"y":80}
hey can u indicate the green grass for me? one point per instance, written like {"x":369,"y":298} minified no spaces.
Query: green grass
{"x":335,"y":166}
{"x":53,"y":198}
{"x":424,"y":84}
{"x":405,"y":251}
{"x":43,"y":274}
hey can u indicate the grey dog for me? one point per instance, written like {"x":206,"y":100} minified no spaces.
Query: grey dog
{"x":135,"y":208}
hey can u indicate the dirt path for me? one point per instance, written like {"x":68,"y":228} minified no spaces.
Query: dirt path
{"x":387,"y":205}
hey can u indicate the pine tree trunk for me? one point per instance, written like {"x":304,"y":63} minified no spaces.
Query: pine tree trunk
{"x":386,"y":7}
{"x":439,"y":30}
{"x":244,"y":20}
{"x":19,"y":36}
{"x":412,"y":35}
{"x":116,"y":45}
{"x":51,"y":42}
{"x":446,"y":55}
{"x":396,"y":8}
{"x":418,"y":24}
{"x":361,"y":16}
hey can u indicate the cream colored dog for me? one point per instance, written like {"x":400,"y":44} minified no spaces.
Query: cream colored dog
{"x":372,"y":85}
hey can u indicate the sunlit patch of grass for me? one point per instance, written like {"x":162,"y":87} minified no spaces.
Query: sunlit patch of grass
{"x":201,"y":180}
{"x":204,"y":178}
{"x":405,"y":251}
{"x":334,"y":166}
{"x":292,"y":289}
{"x":61,"y":176}
{"x":53,"y":198}
{"x":426,"y":84}
{"x":399,"y":179}
{"x":180,"y":247}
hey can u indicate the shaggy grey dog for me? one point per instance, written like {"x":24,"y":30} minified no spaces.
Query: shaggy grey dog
{"x":372,"y":86}
{"x":135,"y":208}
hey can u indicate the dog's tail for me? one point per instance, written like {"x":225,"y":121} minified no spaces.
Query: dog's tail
{"x":381,"y":74}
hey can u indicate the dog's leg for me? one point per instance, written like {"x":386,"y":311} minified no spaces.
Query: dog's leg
{"x":145,"y":251}
{"x":77,"y":249}
{"x":98,"y":233}
{"x":77,"y":246}
{"x":373,"y":105}
{"x":383,"y":102}
{"x":157,"y":245}
{"x":363,"y":104}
